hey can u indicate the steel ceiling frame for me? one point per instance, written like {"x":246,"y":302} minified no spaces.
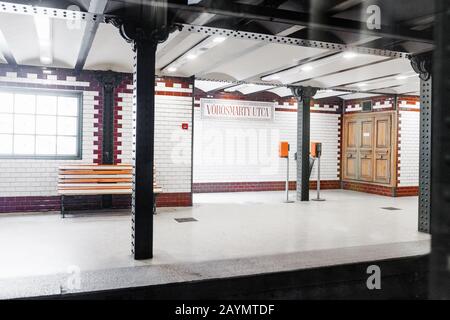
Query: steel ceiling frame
{"x":72,"y":15}
{"x":212,"y":31}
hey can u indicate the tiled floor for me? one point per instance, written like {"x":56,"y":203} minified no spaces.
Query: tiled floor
{"x":232,"y":229}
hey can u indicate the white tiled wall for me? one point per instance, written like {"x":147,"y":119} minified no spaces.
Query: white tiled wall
{"x":247,"y":151}
{"x":172,"y":143}
{"x":127,"y":127}
{"x":325,"y":128}
{"x":409,"y":130}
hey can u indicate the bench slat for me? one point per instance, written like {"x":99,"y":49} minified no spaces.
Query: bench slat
{"x":93,"y":180}
{"x":97,"y":167}
{"x":94,"y":176}
{"x":92,"y":192}
{"x":88,"y":192}
{"x":82,"y":172}
{"x":100,"y":185}
{"x":97,"y":179}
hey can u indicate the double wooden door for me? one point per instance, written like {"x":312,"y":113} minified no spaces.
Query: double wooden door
{"x":368,"y":147}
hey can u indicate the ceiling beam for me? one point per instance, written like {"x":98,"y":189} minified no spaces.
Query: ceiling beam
{"x":44,"y":31}
{"x":240,"y":53}
{"x":318,"y":57}
{"x":6,"y":51}
{"x":95,"y":7}
{"x":177,"y":36}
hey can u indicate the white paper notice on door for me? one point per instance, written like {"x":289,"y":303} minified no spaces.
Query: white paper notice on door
{"x":366,"y":134}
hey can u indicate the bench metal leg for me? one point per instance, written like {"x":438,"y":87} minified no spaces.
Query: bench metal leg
{"x":62,"y":206}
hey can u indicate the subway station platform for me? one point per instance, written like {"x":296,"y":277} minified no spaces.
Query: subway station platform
{"x":235,"y":235}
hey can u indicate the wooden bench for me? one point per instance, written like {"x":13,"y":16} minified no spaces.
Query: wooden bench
{"x":97,"y":180}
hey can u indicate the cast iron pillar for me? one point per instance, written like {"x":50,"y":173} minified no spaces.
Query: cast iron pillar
{"x":440,"y":150}
{"x":303,"y":95}
{"x":144,"y":25}
{"x":422,"y":65}
{"x":143,"y":139}
{"x":109,"y":81}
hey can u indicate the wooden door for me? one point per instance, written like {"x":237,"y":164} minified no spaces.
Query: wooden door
{"x":382,"y":149}
{"x":351,"y":134}
{"x":366,"y":150}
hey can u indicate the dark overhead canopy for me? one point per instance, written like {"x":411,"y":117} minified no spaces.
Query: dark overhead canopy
{"x":339,"y":21}
{"x":320,"y":30}
{"x":325,"y":20}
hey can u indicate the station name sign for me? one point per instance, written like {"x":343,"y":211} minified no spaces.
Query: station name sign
{"x":236,"y":109}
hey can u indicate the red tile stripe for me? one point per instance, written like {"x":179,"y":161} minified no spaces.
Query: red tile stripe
{"x":369,"y":188}
{"x":258,"y":186}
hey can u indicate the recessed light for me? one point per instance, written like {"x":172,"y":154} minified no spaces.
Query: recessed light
{"x":191,"y":56}
{"x":275,"y":77}
{"x":219,"y":39}
{"x":349,"y":55}
{"x":361,"y":84}
{"x":306,"y":68}
{"x":172,"y":69}
{"x":401,"y":78}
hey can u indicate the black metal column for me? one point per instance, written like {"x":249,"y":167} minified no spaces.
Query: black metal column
{"x":425,"y":155}
{"x":144,"y":124}
{"x":422,"y":65}
{"x":109,"y":80}
{"x":303,"y":95}
{"x":145,"y":26}
{"x":440,"y":150}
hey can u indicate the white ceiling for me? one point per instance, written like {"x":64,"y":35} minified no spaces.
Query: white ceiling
{"x":261,"y":60}
{"x":329,"y":65}
{"x":109,"y":51}
{"x":66,"y":42}
{"x":21,"y":37}
{"x":231,"y":60}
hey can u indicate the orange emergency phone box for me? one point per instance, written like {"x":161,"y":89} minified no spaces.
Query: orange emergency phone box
{"x":315,"y":146}
{"x":284,"y":149}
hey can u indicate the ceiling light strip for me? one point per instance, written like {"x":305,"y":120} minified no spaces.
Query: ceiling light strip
{"x":211,"y":31}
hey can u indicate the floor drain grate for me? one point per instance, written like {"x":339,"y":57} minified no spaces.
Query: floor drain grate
{"x":181,"y":220}
{"x":390,"y":208}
